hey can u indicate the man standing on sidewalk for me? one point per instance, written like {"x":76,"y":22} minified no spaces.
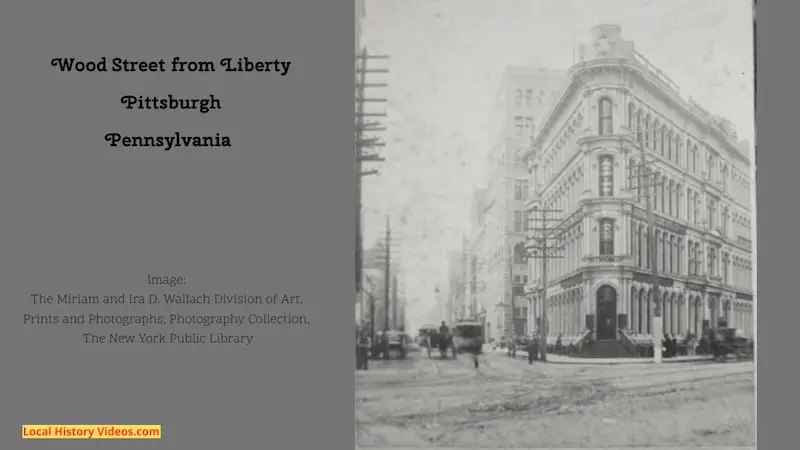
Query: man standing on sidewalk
{"x":363,"y":345}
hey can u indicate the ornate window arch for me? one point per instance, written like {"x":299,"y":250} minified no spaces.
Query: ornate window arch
{"x":605,"y":120}
{"x":606,"y":178}
{"x":639,"y":126}
{"x":655,"y":138}
{"x":606,"y":230}
{"x":632,"y":117}
{"x":668,"y":144}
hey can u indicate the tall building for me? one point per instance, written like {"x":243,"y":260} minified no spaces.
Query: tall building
{"x":523,"y":96}
{"x":475,"y":283}
{"x":584,"y":162}
{"x":452,"y":287}
{"x":458,"y":306}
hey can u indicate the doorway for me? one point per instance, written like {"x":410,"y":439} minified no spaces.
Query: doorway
{"x":606,"y":313}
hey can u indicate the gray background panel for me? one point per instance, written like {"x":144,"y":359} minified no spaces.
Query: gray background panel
{"x":776,"y":178}
{"x":274,"y":214}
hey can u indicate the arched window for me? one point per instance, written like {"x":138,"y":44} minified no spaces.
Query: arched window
{"x":606,"y":227}
{"x":725,"y":219}
{"x":655,"y":137}
{"x":668,"y":142}
{"x":710,"y":167}
{"x":641,"y":246}
{"x":605,"y":123}
{"x":632,"y":117}
{"x":712,"y":261}
{"x":664,"y":148}
{"x":639,"y":126}
{"x":673,"y":253}
{"x":725,"y":177}
{"x":711,"y":211}
{"x":606,"y":176}
{"x":636,"y":179}
{"x":671,"y":194}
{"x":631,"y":173}
{"x":647,"y":130}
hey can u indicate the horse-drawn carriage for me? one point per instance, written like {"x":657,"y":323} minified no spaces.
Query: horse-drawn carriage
{"x":442,"y":341}
{"x":424,"y":334}
{"x":724,"y":341}
{"x":432,"y":338}
{"x":391,"y":343}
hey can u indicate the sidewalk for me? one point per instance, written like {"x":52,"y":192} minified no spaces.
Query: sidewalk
{"x":558,"y":359}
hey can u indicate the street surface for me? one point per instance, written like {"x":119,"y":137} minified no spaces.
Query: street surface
{"x":422,"y":402}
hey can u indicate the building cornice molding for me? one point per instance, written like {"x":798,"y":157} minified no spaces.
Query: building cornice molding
{"x":659,"y":88}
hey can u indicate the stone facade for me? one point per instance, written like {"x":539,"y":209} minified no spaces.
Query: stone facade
{"x":584,"y":162}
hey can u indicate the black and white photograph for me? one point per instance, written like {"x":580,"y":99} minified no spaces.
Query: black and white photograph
{"x":556,"y":221}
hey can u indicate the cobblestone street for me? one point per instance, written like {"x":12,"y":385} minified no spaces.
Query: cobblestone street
{"x":422,"y":402}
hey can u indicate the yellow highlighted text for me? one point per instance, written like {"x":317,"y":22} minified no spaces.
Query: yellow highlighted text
{"x":91,"y":432}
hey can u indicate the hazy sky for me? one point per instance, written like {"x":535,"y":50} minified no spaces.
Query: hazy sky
{"x":447,"y":57}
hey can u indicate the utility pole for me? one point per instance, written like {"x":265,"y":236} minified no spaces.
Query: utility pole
{"x":395,"y":305}
{"x":512,"y":346}
{"x":388,"y":273}
{"x":540,"y":248}
{"x":372,"y":318}
{"x":364,"y":142}
{"x":647,"y":189}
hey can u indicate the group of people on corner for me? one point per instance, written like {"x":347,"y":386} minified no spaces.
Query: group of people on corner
{"x":669,"y":345}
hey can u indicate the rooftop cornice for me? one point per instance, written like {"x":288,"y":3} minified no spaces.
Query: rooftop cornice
{"x":663,"y":86}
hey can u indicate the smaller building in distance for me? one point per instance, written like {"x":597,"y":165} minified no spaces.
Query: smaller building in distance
{"x":498,"y":235}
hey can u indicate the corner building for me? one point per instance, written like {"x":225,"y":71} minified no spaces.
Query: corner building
{"x":584,"y":163}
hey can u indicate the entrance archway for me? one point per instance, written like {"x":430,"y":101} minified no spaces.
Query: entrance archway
{"x":606,"y":313}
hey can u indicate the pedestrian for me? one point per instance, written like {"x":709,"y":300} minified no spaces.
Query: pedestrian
{"x":444,"y":336}
{"x":363,"y":345}
{"x":673,"y":343}
{"x":427,"y":343}
{"x":385,"y":343}
{"x":358,"y":349}
{"x":533,"y":350}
